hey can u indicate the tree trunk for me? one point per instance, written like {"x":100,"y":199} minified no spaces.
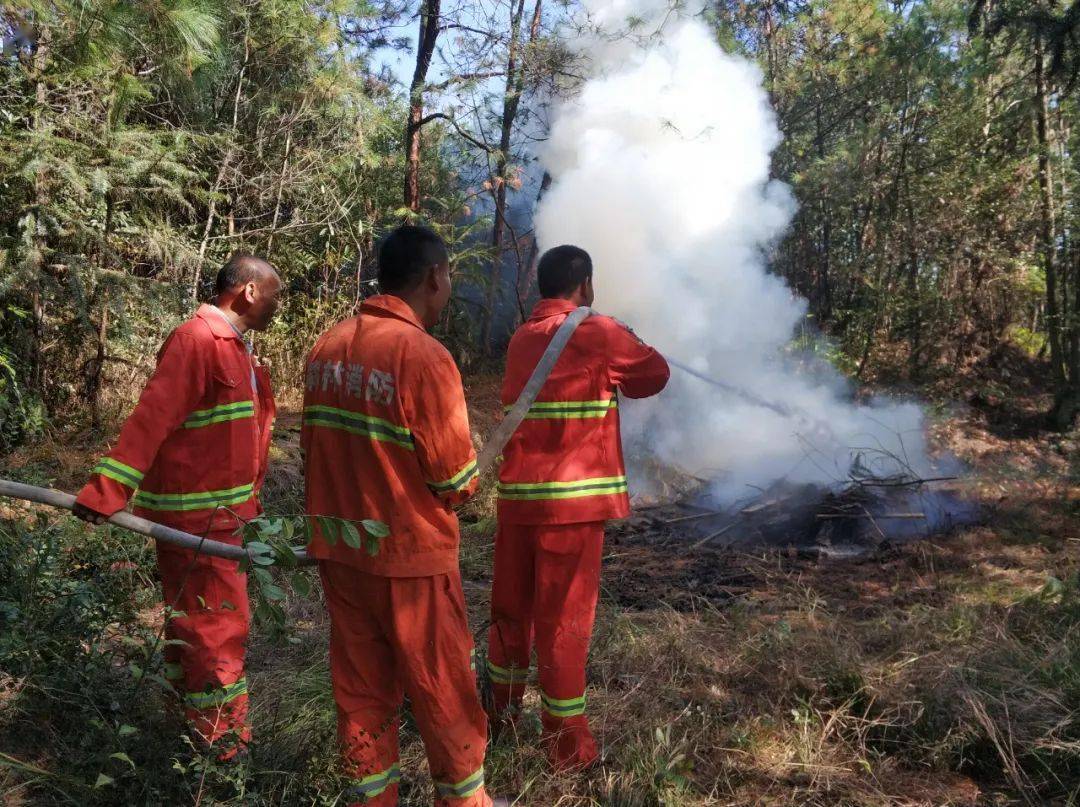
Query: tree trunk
{"x":38,"y":245}
{"x":1067,"y":397}
{"x":97,"y":364}
{"x":515,"y":83}
{"x":219,"y":180}
{"x":280,"y":190}
{"x":1046,"y":220}
{"x":823,"y":290}
{"x":425,"y":47}
{"x":769,"y":33}
{"x":525,"y":279}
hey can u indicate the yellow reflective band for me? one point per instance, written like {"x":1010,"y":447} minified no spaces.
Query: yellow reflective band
{"x":220,"y":414}
{"x":202,"y":500}
{"x":118,"y":472}
{"x":463,"y":789}
{"x":374,"y":785}
{"x":567,"y":410}
{"x":217,"y":697}
{"x":569,"y":707}
{"x":358,"y":423}
{"x":501,"y":675}
{"x":531,"y":491}
{"x":458,"y":481}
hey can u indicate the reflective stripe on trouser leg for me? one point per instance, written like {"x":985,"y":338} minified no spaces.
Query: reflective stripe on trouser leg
{"x":567,"y":588}
{"x":563,"y":707}
{"x":510,"y":635}
{"x":208,"y":636}
{"x":366,"y":683}
{"x":369,"y":788}
{"x":461,"y":790}
{"x":393,"y":632}
{"x":219,"y":717}
{"x":433,"y":640}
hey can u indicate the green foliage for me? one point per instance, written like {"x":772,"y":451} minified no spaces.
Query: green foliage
{"x":1032,"y":342}
{"x":270,"y":541}
{"x":87,"y":716}
{"x":22,"y":415}
{"x":82,"y":673}
{"x":141,"y":144}
{"x":910,"y":146}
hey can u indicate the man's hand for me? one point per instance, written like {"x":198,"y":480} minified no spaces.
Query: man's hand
{"x":86,"y":514}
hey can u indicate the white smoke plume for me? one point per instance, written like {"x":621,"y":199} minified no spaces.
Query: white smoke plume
{"x":661,"y":171}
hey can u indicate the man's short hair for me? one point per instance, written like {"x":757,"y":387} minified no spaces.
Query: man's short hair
{"x":239,"y":270}
{"x":562,"y":269}
{"x":406,"y":255}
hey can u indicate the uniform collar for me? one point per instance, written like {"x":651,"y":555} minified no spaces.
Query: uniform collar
{"x":550,"y":306}
{"x":219,"y":326}
{"x":389,"y":305}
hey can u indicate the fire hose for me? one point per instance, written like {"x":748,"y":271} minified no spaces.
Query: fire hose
{"x":488,"y":454}
{"x":159,"y":532}
{"x":815,"y":426}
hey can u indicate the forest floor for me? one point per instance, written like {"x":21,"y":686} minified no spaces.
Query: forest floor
{"x":943,"y":671}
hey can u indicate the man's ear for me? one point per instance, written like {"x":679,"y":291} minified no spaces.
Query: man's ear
{"x":250,"y":291}
{"x":432,"y":277}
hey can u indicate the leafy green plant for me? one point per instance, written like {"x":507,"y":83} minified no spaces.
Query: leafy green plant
{"x":673,"y":764}
{"x":270,"y":544}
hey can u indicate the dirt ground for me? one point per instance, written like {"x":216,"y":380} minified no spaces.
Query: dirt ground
{"x":724,"y":676}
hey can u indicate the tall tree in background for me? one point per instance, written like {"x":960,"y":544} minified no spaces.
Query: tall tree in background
{"x":517,"y":69}
{"x":1047,"y":35}
{"x":909,"y":145}
{"x":491,"y":64}
{"x":425,"y":48}
{"x":145,"y":142}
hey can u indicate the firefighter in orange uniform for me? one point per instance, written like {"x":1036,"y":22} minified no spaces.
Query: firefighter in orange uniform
{"x":386,"y":437}
{"x":562,"y":477}
{"x":193,"y":454}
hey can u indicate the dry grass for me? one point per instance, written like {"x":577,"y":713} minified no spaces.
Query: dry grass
{"x":939,"y":673}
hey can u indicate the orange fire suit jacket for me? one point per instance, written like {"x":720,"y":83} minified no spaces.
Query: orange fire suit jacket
{"x":195,"y":447}
{"x":564,"y":464}
{"x":386,"y":437}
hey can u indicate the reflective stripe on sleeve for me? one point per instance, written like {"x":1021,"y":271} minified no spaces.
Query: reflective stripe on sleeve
{"x":458,"y":481}
{"x":118,"y":472}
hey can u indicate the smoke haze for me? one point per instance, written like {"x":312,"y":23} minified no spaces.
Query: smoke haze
{"x":661,"y":171}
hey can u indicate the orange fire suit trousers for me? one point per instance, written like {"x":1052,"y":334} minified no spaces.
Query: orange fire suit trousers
{"x":547,"y":581}
{"x":391,"y":636}
{"x":204,"y":658}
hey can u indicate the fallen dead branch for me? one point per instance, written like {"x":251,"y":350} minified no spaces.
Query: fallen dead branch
{"x":871,"y":515}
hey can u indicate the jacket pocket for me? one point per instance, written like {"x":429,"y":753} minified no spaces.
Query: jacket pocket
{"x":226,"y":377}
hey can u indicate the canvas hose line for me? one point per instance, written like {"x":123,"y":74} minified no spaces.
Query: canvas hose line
{"x":488,"y":454}
{"x":159,"y":532}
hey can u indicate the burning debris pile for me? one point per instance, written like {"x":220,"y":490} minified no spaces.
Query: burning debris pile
{"x":690,"y":551}
{"x":857,"y":518}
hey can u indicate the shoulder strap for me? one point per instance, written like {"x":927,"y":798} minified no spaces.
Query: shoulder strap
{"x":497,"y":442}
